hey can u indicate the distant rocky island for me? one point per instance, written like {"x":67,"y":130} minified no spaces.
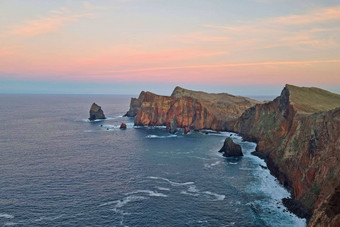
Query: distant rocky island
{"x":96,"y":112}
{"x":298,"y":134}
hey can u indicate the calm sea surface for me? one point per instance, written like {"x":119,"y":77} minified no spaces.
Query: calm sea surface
{"x":58,"y":169}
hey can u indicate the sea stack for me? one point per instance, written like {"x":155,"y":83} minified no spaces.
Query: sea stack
{"x":96,"y":112}
{"x":231,"y":149}
{"x":123,"y":126}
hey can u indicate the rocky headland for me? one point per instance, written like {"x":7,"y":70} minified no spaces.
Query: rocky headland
{"x":96,"y":112}
{"x":188,"y":110}
{"x":298,"y":134}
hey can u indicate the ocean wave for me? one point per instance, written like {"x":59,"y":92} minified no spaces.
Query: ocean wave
{"x":7,"y":216}
{"x":160,"y":137}
{"x":212,"y":164}
{"x":192,"y":188}
{"x":124,"y":201}
{"x":217,"y":196}
{"x":170,"y":182}
{"x":233,"y":163}
{"x":150,"y":193}
{"x":150,"y":127}
{"x":162,"y":189}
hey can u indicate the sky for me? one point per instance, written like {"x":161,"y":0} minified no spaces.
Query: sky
{"x":243,"y":47}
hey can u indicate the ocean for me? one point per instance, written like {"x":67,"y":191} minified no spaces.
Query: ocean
{"x":59,"y":169}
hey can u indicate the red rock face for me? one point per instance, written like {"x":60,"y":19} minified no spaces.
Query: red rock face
{"x":304,"y":146}
{"x":188,"y":109}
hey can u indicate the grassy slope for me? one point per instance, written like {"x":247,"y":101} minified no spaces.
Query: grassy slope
{"x":311,"y":100}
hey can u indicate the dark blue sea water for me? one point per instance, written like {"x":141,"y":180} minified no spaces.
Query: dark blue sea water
{"x":58,"y":169}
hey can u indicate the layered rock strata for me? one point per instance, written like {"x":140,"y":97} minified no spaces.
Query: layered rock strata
{"x":188,"y":109}
{"x":298,"y":133}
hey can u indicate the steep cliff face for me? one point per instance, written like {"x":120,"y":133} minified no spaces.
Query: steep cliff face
{"x":299,"y":133}
{"x":188,"y":109}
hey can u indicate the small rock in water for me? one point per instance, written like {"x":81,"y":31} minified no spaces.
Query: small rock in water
{"x":96,"y":112}
{"x":123,"y":126}
{"x":231,"y":149}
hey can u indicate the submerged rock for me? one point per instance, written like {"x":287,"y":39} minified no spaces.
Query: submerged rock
{"x":231,"y":149}
{"x":123,"y":126}
{"x":96,"y":112}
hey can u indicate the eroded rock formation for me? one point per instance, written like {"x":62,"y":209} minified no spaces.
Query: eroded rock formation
{"x":231,"y":149}
{"x":96,"y":112}
{"x":299,"y":135}
{"x":188,"y":109}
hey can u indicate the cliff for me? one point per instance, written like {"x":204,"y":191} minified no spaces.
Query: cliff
{"x":299,"y":135}
{"x":188,"y":109}
{"x":96,"y":112}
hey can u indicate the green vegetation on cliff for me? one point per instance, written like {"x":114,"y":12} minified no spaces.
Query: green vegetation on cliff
{"x":311,"y":100}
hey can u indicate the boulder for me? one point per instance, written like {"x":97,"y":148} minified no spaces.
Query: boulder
{"x":123,"y":126}
{"x":96,"y":112}
{"x":231,"y":149}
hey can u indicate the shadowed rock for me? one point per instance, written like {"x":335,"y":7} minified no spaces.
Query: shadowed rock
{"x":123,"y":126}
{"x":96,"y":112}
{"x":231,"y":149}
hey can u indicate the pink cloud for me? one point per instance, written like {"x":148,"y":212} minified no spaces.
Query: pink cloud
{"x":314,"y":16}
{"x":53,"y":22}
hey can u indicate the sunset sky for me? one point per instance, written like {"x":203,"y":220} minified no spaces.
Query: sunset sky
{"x":244,"y":47}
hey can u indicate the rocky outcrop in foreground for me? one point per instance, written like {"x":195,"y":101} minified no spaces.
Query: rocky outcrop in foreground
{"x":231,"y":149}
{"x":96,"y":112}
{"x":298,"y":133}
{"x":188,"y":109}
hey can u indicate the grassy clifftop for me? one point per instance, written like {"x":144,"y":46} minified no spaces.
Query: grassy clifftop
{"x":312,"y":99}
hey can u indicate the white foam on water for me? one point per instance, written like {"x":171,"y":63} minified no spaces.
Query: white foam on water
{"x":232,"y":163}
{"x":148,"y":192}
{"x":267,"y":184}
{"x":201,"y":158}
{"x":99,"y":120}
{"x":128,"y":199}
{"x":192,"y":188}
{"x":212,"y":164}
{"x":150,"y":127}
{"x":7,"y":216}
{"x":169,"y":181}
{"x":217,"y":196}
{"x":109,"y":203}
{"x":162,"y":189}
{"x":160,"y":137}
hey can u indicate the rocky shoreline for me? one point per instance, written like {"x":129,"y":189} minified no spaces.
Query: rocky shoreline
{"x":297,"y":134}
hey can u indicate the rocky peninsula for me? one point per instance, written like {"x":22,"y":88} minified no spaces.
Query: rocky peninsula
{"x":298,"y":134}
{"x":188,"y":110}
